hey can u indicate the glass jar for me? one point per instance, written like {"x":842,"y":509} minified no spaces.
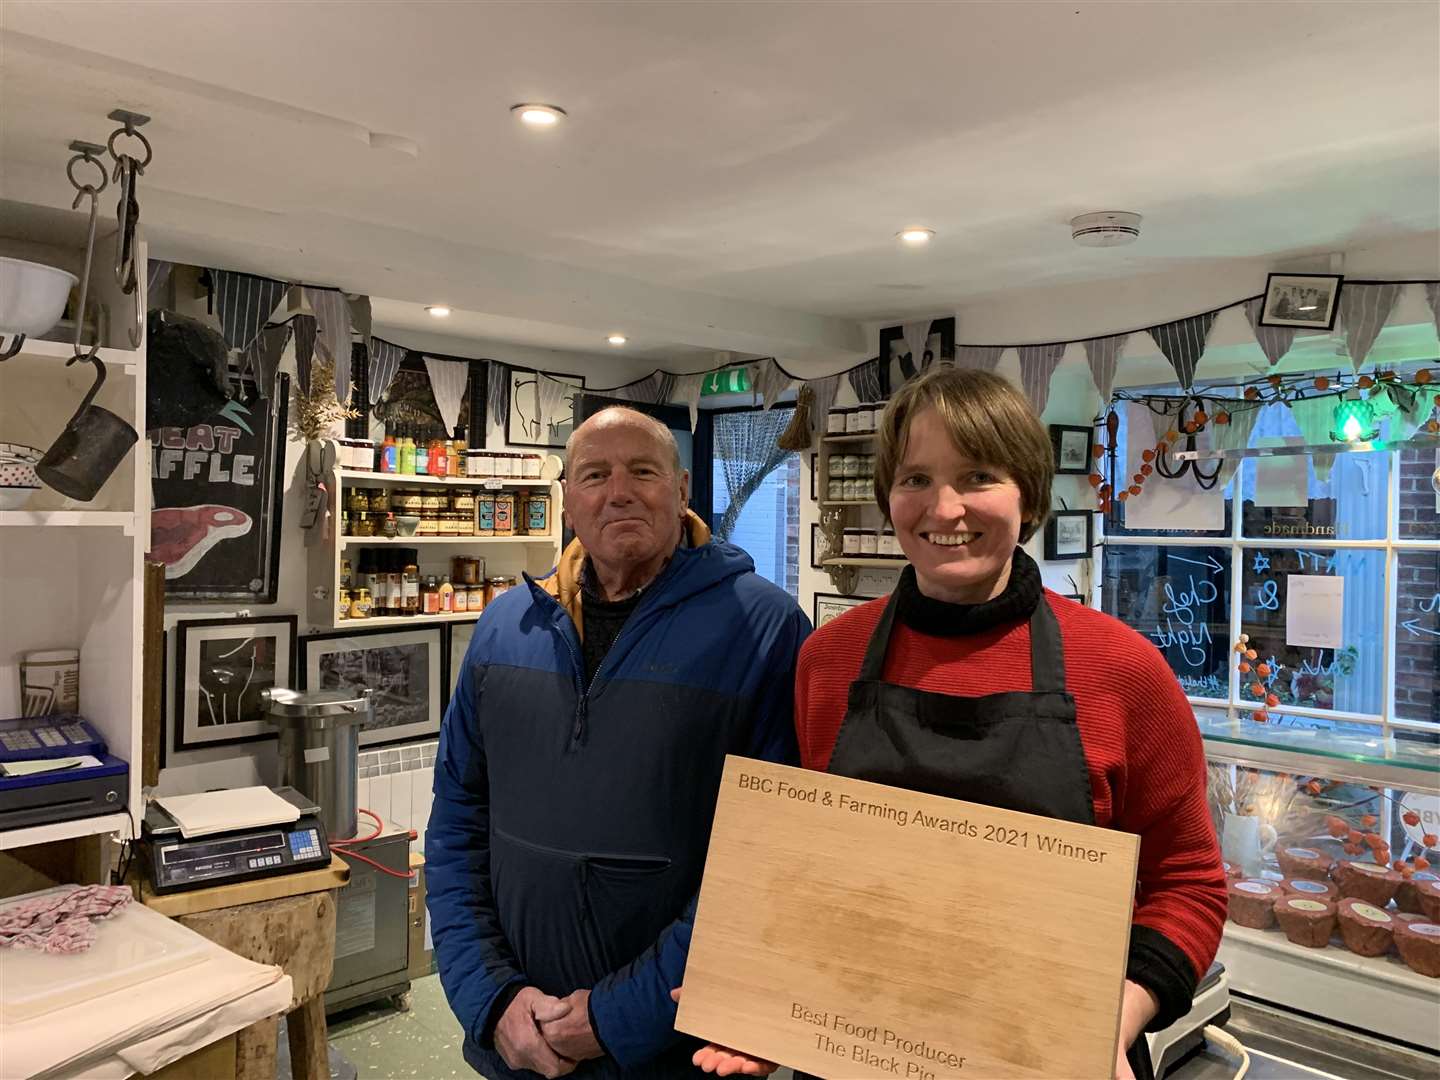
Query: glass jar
{"x":849,"y":491}
{"x":362,"y":525}
{"x":345,"y":572}
{"x":475,"y":600}
{"x":869,"y":543}
{"x":465,"y":570}
{"x":532,"y":466}
{"x":835,"y":466}
{"x":504,"y":513}
{"x":430,"y":596}
{"x":410,"y":586}
{"x":536,"y":518}
{"x":850,"y":466}
{"x":342,"y":604}
{"x":888,"y":546}
{"x":360,"y":603}
{"x":485,"y":513}
{"x":835,"y":422}
{"x":867,"y":465}
{"x":852,"y":421}
{"x":463,"y":499}
{"x":835,"y":490}
{"x":407,"y":502}
{"x":850,"y":545}
{"x":504,"y":464}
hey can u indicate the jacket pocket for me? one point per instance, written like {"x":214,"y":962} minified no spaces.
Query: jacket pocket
{"x":628,"y":900}
{"x":540,"y":899}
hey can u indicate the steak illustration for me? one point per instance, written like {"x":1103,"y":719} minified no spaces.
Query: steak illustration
{"x":180,"y":536}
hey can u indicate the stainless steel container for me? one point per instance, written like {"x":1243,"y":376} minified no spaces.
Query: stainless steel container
{"x":319,"y":748}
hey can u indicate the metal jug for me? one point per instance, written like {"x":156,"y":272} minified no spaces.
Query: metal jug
{"x":90,"y":448}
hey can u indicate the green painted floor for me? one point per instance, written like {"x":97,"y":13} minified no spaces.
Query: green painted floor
{"x":380,"y":1041}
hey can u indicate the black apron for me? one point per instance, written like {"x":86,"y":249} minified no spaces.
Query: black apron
{"x":1019,"y":751}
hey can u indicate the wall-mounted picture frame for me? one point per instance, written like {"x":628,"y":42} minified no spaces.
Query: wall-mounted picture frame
{"x":221,"y":667}
{"x":1072,"y":449}
{"x":829,"y":606}
{"x":1305,"y":301}
{"x":1069,"y":534}
{"x":541,"y":407}
{"x":818,"y":549}
{"x":814,"y":476}
{"x":405,"y":667}
{"x":457,"y":641}
{"x":939,"y":345}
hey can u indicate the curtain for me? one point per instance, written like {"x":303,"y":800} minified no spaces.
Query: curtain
{"x":745,"y":444}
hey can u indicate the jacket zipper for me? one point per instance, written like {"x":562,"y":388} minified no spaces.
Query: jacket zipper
{"x":582,"y":710}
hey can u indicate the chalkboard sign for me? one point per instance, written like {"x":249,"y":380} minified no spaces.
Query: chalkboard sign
{"x":1178,"y":598}
{"x":216,"y":491}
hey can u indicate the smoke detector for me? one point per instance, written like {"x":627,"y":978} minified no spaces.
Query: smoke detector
{"x":1107,"y":228}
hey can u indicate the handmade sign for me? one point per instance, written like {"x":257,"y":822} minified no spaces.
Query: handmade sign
{"x":854,"y":930}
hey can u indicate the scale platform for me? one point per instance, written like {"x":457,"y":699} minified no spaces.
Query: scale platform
{"x":174,"y":863}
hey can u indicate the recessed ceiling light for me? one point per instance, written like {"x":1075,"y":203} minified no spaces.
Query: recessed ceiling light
{"x":916,"y":236}
{"x":616,"y":339}
{"x":439,"y":311}
{"x":538,"y":116}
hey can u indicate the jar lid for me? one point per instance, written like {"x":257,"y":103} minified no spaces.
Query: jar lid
{"x":282,"y":701}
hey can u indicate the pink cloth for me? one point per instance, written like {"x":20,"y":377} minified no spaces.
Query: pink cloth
{"x":60,"y":922}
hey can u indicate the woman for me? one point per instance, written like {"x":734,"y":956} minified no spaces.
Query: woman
{"x":1059,"y":710}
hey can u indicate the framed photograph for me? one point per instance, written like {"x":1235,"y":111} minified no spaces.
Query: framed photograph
{"x":1069,"y":534}
{"x":216,"y":493}
{"x":221,"y":665}
{"x":457,"y":641}
{"x":542,"y":407}
{"x":405,"y":668}
{"x":814,"y":471}
{"x":1306,"y":301}
{"x":818,"y":548}
{"x":832,"y":605}
{"x":1072,"y":449}
{"x":939,"y":345}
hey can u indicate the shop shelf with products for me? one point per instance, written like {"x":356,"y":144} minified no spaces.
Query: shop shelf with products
{"x":847,"y":460}
{"x":1324,"y":816}
{"x":506,"y":555}
{"x":73,"y":569}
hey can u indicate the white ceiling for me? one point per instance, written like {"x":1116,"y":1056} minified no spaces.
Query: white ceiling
{"x":732,"y":173}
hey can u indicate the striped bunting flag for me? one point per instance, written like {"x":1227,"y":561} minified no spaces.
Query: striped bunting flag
{"x":824,"y":390}
{"x":497,"y":399}
{"x":304,"y":348}
{"x":1103,"y":355}
{"x":448,"y":379}
{"x":244,"y":303}
{"x":770,"y":382}
{"x":1363,"y":312}
{"x":1275,"y":341}
{"x":1432,"y":297}
{"x":1183,"y":343}
{"x":978,"y":357}
{"x":916,"y":335}
{"x":262,"y":356}
{"x":332,"y":322}
{"x":384,"y":363}
{"x":1037,"y":364}
{"x":865,"y":380}
{"x":685,"y":390}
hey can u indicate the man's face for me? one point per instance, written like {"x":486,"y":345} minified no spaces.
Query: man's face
{"x":622,"y":497}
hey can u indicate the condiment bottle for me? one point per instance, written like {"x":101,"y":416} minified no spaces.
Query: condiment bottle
{"x":439,"y":462}
{"x":389,"y":454}
{"x":407,"y":455}
{"x":430,"y":597}
{"x":388,"y":527}
{"x":422,"y":457}
{"x":410,"y":583}
{"x":457,"y":452}
{"x":447,"y":595}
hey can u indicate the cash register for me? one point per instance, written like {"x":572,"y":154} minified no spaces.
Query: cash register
{"x":56,"y":768}
{"x":174,"y":862}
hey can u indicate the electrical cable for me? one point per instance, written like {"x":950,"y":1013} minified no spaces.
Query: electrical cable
{"x":1231,"y":1045}
{"x":341,"y":847}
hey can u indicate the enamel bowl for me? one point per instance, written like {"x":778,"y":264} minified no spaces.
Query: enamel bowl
{"x":32,"y":296}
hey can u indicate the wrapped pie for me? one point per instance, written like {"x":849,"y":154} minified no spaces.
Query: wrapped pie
{"x":1366,"y":929}
{"x":1310,"y":889}
{"x":1252,"y":903}
{"x":1365,"y":881}
{"x":1427,"y":897}
{"x":1418,"y":943}
{"x":1406,"y":898}
{"x":1303,"y":862}
{"x":1306,"y":922}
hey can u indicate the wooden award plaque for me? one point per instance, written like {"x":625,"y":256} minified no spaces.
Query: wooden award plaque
{"x":855,"y":930}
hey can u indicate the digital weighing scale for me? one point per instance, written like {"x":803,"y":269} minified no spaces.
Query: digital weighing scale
{"x":174,"y":863}
{"x":84,"y":780}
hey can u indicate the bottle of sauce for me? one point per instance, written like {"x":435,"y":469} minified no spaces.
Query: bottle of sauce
{"x":438,"y":459}
{"x":389,"y":459}
{"x":422,"y":457}
{"x":457,"y":452}
{"x":407,"y":455}
{"x":447,"y":595}
{"x":410,"y":586}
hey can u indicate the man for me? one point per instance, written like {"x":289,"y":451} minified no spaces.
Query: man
{"x":579,"y":764}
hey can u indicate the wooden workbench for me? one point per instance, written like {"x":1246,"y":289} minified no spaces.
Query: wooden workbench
{"x":289,"y":921}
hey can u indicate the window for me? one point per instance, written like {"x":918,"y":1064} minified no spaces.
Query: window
{"x":1370,"y":520}
{"x":767,"y":523}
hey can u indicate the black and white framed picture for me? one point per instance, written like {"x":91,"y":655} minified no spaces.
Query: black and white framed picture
{"x":404,"y":667}
{"x":221,"y":666}
{"x":818,"y":548}
{"x":542,"y":407}
{"x":814,"y":476}
{"x":457,"y":642}
{"x":1069,"y":534}
{"x":1306,"y":301}
{"x":830,"y":606}
{"x":1072,"y":448}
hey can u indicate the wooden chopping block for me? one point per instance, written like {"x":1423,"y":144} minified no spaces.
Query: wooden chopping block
{"x":296,"y":932}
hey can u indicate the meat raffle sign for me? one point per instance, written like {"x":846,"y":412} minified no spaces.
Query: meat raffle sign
{"x":217,"y":489}
{"x":855,"y":930}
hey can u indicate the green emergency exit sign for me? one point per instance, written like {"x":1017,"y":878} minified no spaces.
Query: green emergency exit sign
{"x":730,"y":381}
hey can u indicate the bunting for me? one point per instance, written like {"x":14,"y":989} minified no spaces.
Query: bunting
{"x":685,"y":390}
{"x":360,"y":318}
{"x":770,"y":382}
{"x":865,"y":381}
{"x":262,"y":357}
{"x":243,"y":303}
{"x":1364,"y":310}
{"x":385,"y":359}
{"x":978,"y":357}
{"x":157,"y":274}
{"x":332,"y":323}
{"x":448,"y":379}
{"x":1037,"y":364}
{"x":497,"y":398}
{"x":304,"y":326}
{"x":1275,"y":341}
{"x":1103,"y":355}
{"x":824,"y":390}
{"x":916,"y":334}
{"x":1183,"y":343}
{"x":1432,"y":297}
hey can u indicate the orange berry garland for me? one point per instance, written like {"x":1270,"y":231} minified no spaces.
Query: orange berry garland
{"x":1245,"y":664}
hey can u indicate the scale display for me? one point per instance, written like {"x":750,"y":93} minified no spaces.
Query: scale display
{"x":177,"y":863}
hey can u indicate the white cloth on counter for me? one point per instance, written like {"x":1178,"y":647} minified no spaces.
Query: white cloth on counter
{"x":151,"y":1055}
{"x":62,"y":1042}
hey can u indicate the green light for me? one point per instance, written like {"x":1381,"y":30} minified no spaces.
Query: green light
{"x":1353,"y":421}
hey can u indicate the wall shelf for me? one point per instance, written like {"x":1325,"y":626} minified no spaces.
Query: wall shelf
{"x":847,"y":502}
{"x":94,"y":519}
{"x":407,"y":620}
{"x":863,"y":436}
{"x":360,"y":478}
{"x":41,"y":355}
{"x":452,"y":541}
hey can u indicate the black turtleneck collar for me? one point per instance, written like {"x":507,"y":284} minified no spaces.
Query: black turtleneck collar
{"x":930,"y":616}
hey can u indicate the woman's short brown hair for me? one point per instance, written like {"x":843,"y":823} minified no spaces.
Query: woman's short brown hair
{"x":988,"y":419}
